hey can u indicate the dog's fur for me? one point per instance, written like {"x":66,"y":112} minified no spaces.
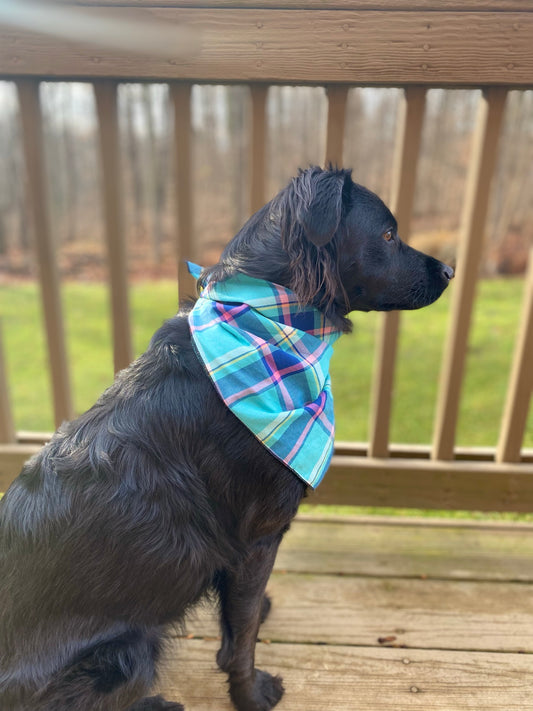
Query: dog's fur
{"x":158,"y":494}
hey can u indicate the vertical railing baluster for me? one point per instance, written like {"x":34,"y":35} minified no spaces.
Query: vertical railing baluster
{"x":481,"y":169}
{"x":409,"y":132}
{"x":33,"y":140}
{"x":7,"y":428}
{"x":337,"y":98}
{"x":520,"y":386}
{"x":258,"y":142}
{"x":105,"y":92}
{"x":180,"y":96}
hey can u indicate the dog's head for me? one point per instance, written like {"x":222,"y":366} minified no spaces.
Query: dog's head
{"x":336,"y":245}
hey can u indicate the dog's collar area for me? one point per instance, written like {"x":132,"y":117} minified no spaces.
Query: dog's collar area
{"x":273,"y":301}
{"x":268,"y":358}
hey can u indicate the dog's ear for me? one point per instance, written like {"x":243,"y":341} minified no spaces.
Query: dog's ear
{"x":318,"y":203}
{"x":310,"y":212}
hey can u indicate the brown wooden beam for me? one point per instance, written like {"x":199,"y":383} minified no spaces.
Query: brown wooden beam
{"x":337,"y":99}
{"x":7,"y":428}
{"x":520,"y":383}
{"x":417,"y":483}
{"x":409,"y":483}
{"x":45,"y":247}
{"x":365,"y":47}
{"x":428,"y":5}
{"x":106,"y":95}
{"x":258,"y":146}
{"x":180,"y":98}
{"x":481,"y":170}
{"x":409,"y":135}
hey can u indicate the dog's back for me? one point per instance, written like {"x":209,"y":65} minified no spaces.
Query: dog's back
{"x":127,"y":515}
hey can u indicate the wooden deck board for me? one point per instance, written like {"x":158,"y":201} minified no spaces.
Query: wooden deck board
{"x":341,"y":678}
{"x":383,"y":613}
{"x":401,"y":548}
{"x":421,"y":614}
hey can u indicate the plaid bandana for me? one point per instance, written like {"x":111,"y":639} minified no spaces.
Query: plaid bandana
{"x":268,"y":357}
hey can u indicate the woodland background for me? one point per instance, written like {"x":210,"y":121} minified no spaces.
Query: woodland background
{"x":296,"y":129}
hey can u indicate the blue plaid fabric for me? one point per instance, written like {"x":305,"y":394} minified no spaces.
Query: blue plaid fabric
{"x":268,"y":358}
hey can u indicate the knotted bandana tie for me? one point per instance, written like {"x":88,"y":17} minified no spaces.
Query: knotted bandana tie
{"x":268,"y":358}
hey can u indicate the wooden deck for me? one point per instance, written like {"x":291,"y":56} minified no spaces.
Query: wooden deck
{"x":375,"y":613}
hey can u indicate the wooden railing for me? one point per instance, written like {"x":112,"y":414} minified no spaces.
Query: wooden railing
{"x":337,"y":44}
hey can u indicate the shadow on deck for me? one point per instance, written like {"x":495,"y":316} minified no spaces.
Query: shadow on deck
{"x":374,"y":613}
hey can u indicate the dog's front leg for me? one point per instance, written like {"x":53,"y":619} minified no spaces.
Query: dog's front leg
{"x":242,"y":594}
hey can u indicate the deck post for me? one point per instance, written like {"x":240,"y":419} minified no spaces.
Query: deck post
{"x":337,"y":98}
{"x":520,"y":386}
{"x":32,"y":129}
{"x":408,"y":139}
{"x":180,"y":96}
{"x":481,"y":170}
{"x":7,"y":428}
{"x":258,"y":147}
{"x":112,"y":198}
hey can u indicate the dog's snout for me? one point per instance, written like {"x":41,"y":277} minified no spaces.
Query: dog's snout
{"x":448,"y":272}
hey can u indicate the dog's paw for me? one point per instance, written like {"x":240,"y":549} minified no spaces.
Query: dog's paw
{"x":266,"y":606}
{"x":261,"y":695}
{"x":156,"y":703}
{"x":268,"y":690}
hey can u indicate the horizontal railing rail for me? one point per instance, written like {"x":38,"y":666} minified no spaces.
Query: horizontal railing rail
{"x":472,"y":44}
{"x":413,"y":46}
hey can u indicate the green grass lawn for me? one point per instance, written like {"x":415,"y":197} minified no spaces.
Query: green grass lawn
{"x":422,"y":338}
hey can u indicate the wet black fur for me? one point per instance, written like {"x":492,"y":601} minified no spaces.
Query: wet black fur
{"x":158,"y":495}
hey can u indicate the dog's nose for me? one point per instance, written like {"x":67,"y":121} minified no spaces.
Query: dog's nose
{"x":448,"y":272}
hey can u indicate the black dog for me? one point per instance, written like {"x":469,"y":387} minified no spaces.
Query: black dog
{"x":158,"y":494}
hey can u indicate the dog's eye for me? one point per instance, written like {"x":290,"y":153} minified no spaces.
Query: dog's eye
{"x":388,"y":235}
